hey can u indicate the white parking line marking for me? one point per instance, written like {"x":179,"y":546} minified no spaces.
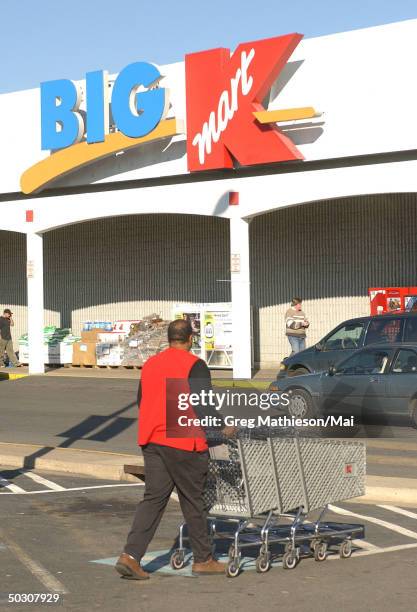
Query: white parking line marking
{"x":43,"y":481}
{"x":22,"y":492}
{"x":365,"y":545}
{"x":36,"y":569}
{"x":377,"y":551}
{"x":399,"y":511}
{"x":8,"y":485}
{"x":406,"y":532}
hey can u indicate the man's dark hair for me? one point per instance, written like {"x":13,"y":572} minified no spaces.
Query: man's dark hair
{"x":7,"y":311}
{"x":179,"y":331}
{"x":296,"y":300}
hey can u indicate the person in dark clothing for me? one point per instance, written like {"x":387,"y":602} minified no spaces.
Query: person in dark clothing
{"x":170,"y":460}
{"x":6,"y":343}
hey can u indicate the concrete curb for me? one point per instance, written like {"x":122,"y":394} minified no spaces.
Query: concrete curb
{"x":223,"y":377}
{"x":12,"y":376}
{"x":109,"y":466}
{"x":77,"y":462}
{"x":388,"y":489}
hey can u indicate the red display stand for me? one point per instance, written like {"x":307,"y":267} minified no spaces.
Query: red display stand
{"x":392,"y":299}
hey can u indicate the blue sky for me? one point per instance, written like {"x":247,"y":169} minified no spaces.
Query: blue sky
{"x":47,"y":39}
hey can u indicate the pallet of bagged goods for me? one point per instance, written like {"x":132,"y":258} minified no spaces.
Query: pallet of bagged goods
{"x":57,"y":346}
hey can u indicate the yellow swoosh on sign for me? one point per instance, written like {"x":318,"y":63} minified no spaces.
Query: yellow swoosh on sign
{"x":72,"y":158}
{"x":287,"y":114}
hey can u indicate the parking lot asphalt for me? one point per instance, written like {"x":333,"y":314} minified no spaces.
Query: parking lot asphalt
{"x":88,"y":413}
{"x":101,"y":415}
{"x":61,"y":535}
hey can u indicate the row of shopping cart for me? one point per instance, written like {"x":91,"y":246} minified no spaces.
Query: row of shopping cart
{"x":263,"y":489}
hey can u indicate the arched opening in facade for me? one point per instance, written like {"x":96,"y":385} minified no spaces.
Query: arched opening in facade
{"x":328,"y":252}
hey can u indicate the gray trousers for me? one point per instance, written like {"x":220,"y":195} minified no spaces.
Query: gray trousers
{"x":166,"y":468}
{"x":7,"y":346}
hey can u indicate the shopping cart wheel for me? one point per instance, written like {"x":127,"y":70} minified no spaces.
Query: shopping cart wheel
{"x":288,"y":547}
{"x":232,"y":569}
{"x":313,"y":544}
{"x":320,"y":551}
{"x":345,"y":550}
{"x":290,"y":559}
{"x":263,"y":564}
{"x":177,"y":559}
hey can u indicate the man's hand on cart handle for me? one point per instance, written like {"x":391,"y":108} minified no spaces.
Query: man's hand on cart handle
{"x":229,"y":431}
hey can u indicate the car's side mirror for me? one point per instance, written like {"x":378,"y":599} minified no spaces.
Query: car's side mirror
{"x":319,"y":346}
{"x":332,"y":370}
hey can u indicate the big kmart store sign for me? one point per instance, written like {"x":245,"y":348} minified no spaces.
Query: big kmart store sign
{"x":225,"y":119}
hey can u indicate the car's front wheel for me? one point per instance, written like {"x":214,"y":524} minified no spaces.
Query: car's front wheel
{"x":301,"y":404}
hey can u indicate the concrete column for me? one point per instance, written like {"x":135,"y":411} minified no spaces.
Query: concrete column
{"x":34,"y":256}
{"x":240,"y":285}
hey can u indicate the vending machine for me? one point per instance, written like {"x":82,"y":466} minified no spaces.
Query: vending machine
{"x":392,"y":299}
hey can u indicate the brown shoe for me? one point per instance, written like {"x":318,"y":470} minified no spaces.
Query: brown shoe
{"x":211,"y":567}
{"x":129,"y":568}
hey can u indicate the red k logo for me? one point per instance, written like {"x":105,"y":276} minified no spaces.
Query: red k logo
{"x":223,"y":92}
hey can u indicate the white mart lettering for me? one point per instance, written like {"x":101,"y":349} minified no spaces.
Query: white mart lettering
{"x":228,"y":105}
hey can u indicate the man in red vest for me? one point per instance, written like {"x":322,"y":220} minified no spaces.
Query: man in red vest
{"x":171,"y":461}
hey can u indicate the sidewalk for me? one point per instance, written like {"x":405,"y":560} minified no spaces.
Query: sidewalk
{"x":79,"y":462}
{"x":119,"y":373}
{"x":110,"y":466}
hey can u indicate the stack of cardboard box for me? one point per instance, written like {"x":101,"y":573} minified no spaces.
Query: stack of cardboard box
{"x":84,"y":352}
{"x":109,"y":348}
{"x":101,"y":343}
{"x":130,"y":343}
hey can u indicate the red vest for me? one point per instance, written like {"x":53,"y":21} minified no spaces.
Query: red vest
{"x":170,"y":364}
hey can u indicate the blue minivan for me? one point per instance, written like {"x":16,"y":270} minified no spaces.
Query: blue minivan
{"x":349,"y":337}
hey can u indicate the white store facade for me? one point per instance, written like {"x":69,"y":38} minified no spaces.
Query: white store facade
{"x":135,"y":231}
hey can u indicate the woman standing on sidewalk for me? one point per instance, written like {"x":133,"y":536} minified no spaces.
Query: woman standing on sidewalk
{"x":295,"y":326}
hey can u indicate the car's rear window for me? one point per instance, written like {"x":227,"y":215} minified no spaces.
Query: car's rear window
{"x":384,"y":330}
